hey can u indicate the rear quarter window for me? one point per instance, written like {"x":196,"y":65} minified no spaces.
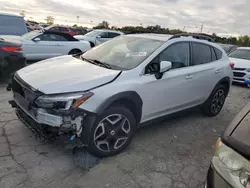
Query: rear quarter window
{"x":218,"y":53}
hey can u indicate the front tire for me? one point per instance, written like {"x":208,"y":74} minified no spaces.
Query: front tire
{"x":215,"y":102}
{"x":112,"y":132}
{"x":75,"y":51}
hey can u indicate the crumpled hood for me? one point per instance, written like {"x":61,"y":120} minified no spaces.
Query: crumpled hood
{"x":240,"y":63}
{"x":65,"y":74}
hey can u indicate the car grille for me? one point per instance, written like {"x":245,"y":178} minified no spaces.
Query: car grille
{"x":40,"y":130}
{"x":239,"y":79}
{"x":239,"y":74}
{"x":26,"y":91}
{"x":239,"y":69}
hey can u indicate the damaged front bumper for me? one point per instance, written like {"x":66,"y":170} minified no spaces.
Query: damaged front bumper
{"x":48,"y":124}
{"x":49,"y":127}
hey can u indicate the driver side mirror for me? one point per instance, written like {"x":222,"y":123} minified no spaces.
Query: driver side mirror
{"x":37,"y":39}
{"x":98,"y":37}
{"x":165,"y":66}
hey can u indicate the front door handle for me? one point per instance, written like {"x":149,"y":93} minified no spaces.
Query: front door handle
{"x":189,"y":77}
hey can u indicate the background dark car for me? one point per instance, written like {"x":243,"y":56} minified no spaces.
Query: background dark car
{"x":11,"y":57}
{"x":80,"y":31}
{"x":61,"y":29}
{"x":230,"y":166}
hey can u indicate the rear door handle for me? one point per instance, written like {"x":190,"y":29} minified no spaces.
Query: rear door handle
{"x":189,"y":77}
{"x":217,"y":71}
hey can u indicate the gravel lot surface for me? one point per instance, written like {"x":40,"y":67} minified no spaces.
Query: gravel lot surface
{"x":173,"y":153}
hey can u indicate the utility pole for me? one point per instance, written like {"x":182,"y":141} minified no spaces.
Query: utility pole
{"x":201,"y":27}
{"x":184,"y":28}
{"x":78,"y":19}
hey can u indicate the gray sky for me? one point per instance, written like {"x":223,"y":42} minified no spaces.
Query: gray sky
{"x":219,"y":16}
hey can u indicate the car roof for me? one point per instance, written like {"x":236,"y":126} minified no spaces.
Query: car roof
{"x":108,"y":30}
{"x":7,"y":14}
{"x":162,"y":37}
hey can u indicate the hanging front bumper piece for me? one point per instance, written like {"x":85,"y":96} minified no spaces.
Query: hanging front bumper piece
{"x":46,"y":124}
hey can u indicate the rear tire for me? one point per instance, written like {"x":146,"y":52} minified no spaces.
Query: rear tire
{"x":92,"y":44}
{"x":112,"y":132}
{"x":215,"y":102}
{"x":75,"y":51}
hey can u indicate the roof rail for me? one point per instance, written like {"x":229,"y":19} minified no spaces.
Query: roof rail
{"x":196,"y":36}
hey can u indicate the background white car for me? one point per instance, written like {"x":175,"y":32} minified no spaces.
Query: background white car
{"x":241,"y":59}
{"x":98,"y":36}
{"x":38,"y":45}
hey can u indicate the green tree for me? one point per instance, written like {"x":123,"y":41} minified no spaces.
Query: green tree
{"x":50,"y":19}
{"x":102,"y":25}
{"x":22,"y":13}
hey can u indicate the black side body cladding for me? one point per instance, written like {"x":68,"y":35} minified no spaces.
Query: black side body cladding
{"x":124,"y":97}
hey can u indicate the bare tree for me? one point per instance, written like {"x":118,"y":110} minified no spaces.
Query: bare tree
{"x":50,"y":19}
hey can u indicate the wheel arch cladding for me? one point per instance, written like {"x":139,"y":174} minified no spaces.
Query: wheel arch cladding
{"x":225,"y":82}
{"x":129,"y":99}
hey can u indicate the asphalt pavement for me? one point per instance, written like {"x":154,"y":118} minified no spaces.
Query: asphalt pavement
{"x":173,"y":153}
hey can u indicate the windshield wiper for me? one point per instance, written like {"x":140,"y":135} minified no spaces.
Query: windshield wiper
{"x":96,"y":62}
{"x":101,"y":63}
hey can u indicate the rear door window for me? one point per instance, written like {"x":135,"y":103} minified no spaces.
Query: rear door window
{"x":201,"y":54}
{"x":52,"y":37}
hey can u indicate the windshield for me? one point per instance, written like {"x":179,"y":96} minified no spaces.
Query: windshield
{"x":123,"y":53}
{"x":93,"y":33}
{"x":30,"y":35}
{"x":240,"y":54}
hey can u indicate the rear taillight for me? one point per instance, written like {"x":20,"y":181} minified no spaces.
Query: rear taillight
{"x":231,"y":65}
{"x":11,"y":49}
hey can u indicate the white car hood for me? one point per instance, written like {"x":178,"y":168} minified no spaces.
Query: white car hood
{"x":240,"y":63}
{"x":83,"y":37}
{"x":65,"y":74}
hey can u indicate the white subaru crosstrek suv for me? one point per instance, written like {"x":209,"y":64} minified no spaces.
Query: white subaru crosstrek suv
{"x":101,"y":97}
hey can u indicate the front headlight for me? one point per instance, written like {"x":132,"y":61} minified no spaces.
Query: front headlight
{"x":232,"y":166}
{"x":63,"y":101}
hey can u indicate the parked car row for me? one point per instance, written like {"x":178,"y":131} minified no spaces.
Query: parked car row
{"x":98,"y":36}
{"x":38,"y":45}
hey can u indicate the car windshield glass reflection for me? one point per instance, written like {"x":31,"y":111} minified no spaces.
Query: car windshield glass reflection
{"x":125,"y":52}
{"x":240,"y":54}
